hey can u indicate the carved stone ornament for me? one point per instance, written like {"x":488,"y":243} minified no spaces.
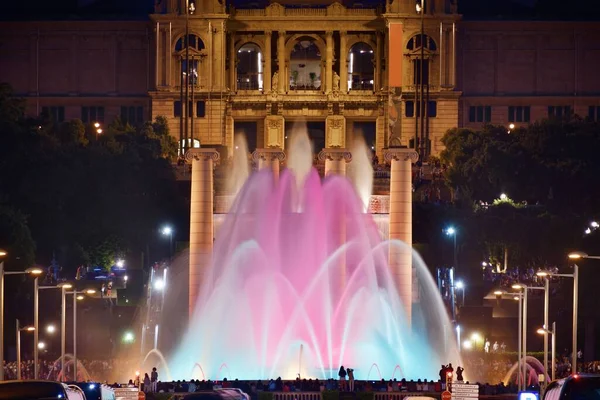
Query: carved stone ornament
{"x":275,"y":10}
{"x":202,"y":154}
{"x":335,"y":155}
{"x":400,"y":154}
{"x":268,"y":154}
{"x":335,"y":131}
{"x":274,"y":132}
{"x":336,"y":9}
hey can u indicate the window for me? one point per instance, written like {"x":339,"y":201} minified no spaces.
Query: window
{"x":177,"y":109}
{"x":418,"y":41}
{"x":193,"y":70}
{"x":432,"y":109}
{"x":92,"y":114}
{"x":559,"y":111}
{"x":410,"y":109}
{"x":132,"y":115}
{"x":194,"y":41}
{"x":200,"y":109}
{"x":480,"y":113}
{"x":519,"y":113}
{"x":594,"y":113}
{"x":417,"y":72}
{"x":56,"y":113}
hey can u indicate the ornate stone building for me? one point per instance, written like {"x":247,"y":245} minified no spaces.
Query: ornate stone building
{"x":344,"y":66}
{"x":258,"y":70}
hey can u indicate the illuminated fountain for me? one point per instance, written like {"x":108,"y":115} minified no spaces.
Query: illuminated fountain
{"x":270,"y":301}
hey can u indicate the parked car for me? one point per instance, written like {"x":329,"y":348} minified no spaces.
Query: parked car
{"x":33,"y":390}
{"x":574,"y":387}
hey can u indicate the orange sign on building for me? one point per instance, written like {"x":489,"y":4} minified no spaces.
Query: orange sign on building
{"x":395,"y":54}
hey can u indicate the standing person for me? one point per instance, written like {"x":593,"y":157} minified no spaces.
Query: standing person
{"x":147,"y":386}
{"x":154,"y":379}
{"x":350,"y":378}
{"x":486,"y":347}
{"x":342,"y":375}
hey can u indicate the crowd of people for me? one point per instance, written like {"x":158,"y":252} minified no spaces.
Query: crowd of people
{"x":99,"y":370}
{"x":346,"y":382}
{"x":252,"y":388}
{"x":499,"y":277}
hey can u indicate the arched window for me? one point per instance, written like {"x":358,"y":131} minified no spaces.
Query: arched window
{"x":417,"y":41}
{"x":361,"y":70}
{"x":249,"y":67}
{"x":194,"y":42}
{"x":305,"y":65}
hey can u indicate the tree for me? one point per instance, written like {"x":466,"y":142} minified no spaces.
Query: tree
{"x":88,"y":202}
{"x":551,"y":162}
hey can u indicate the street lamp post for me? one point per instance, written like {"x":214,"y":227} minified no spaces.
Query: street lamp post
{"x":76,"y":297}
{"x":545,"y":332}
{"x":460,"y":285}
{"x":525,"y":288}
{"x":520,"y":359}
{"x":546,"y":276}
{"x":168,"y":231}
{"x":32,"y":271}
{"x":63,"y":286}
{"x":19,"y":330}
{"x":577,"y":255}
{"x":36,"y":327}
{"x":451,"y":231}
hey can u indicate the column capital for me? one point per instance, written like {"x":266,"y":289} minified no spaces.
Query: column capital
{"x":343,"y":33}
{"x":329,"y":33}
{"x":281,"y":33}
{"x":400,"y":154}
{"x":201,"y":154}
{"x":335,"y":155}
{"x":268,"y":32}
{"x":268,"y":154}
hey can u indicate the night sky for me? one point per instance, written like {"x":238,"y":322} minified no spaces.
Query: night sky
{"x":136,"y":9}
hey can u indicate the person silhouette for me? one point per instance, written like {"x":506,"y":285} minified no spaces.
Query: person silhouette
{"x":342,"y":375}
{"x":459,"y":373}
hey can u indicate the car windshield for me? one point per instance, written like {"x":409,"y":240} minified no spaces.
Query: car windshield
{"x":32,"y":391}
{"x":584,"y":389}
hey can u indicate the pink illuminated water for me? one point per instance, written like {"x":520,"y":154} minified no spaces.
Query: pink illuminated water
{"x":300,"y":284}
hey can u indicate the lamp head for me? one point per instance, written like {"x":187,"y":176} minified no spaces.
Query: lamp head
{"x":90,"y":291}
{"x":460,"y":285}
{"x":543,"y":274}
{"x":65,"y":285}
{"x":577,"y":255}
{"x":519,"y":286}
{"x":3,"y":253}
{"x":34,"y":271}
{"x":498,"y":292}
{"x":29,"y":329}
{"x":542,"y":331}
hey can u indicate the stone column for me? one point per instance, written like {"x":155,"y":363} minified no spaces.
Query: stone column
{"x":329,"y":62}
{"x":335,"y":164}
{"x":343,"y":57}
{"x":378,"y":55}
{"x":335,"y":160}
{"x":269,"y":158}
{"x":400,"y":259}
{"x":281,"y":61}
{"x":232,"y":62}
{"x":201,"y":220}
{"x":267,"y":67}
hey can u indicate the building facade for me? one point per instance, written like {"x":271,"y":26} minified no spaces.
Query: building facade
{"x":388,"y":72}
